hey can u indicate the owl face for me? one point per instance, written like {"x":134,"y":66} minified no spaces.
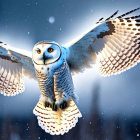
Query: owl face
{"x":45,"y":53}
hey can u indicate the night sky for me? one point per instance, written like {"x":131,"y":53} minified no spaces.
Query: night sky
{"x":24,"y":23}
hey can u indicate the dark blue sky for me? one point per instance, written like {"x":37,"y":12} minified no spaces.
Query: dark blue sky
{"x":23,"y":23}
{"x":28,"y":19}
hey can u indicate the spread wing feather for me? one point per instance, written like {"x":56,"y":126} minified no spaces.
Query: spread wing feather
{"x":13,"y":67}
{"x":114,"y":45}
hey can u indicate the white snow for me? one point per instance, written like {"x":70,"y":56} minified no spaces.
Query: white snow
{"x":51,"y":19}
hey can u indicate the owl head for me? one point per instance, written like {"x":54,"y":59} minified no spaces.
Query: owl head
{"x":45,"y":53}
{"x":48,"y":54}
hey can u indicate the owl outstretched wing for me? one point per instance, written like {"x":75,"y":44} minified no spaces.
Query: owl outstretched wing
{"x":114,"y":45}
{"x":13,"y":66}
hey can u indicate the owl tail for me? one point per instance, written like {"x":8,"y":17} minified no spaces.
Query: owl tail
{"x":57,"y":122}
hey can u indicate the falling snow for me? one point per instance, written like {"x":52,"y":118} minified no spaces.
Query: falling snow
{"x":36,"y":3}
{"x":51,"y":19}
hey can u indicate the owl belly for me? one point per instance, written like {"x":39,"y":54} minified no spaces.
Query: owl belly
{"x":63,"y":84}
{"x":58,"y":87}
{"x":46,"y":86}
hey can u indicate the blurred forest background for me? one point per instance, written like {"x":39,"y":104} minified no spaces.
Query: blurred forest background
{"x":110,"y":105}
{"x":92,"y":127}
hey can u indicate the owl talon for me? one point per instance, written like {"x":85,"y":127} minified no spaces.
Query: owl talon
{"x":47,"y":104}
{"x":54,"y":107}
{"x":63,"y":105}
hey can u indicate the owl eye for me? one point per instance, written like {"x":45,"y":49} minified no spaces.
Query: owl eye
{"x":50,"y":50}
{"x":38,"y":51}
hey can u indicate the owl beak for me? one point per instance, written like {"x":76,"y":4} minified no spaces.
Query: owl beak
{"x":44,"y":58}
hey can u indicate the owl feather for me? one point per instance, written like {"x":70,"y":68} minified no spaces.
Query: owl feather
{"x":57,"y":122}
{"x":114,"y":45}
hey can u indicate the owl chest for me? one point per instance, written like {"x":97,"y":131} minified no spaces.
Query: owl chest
{"x":63,"y":84}
{"x":46,"y":84}
{"x":54,"y":86}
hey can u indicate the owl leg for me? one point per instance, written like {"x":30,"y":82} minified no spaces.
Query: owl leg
{"x":49,"y":103}
{"x":52,"y":106}
{"x":63,"y":105}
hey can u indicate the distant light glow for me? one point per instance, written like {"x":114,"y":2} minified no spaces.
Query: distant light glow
{"x":51,"y":19}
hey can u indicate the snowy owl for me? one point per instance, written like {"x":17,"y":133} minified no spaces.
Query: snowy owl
{"x":113,"y":44}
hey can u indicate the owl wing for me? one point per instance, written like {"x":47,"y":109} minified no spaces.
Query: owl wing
{"x":13,"y":66}
{"x":114,"y":45}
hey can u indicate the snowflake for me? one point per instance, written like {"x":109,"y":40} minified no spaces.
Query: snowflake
{"x":51,"y":19}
